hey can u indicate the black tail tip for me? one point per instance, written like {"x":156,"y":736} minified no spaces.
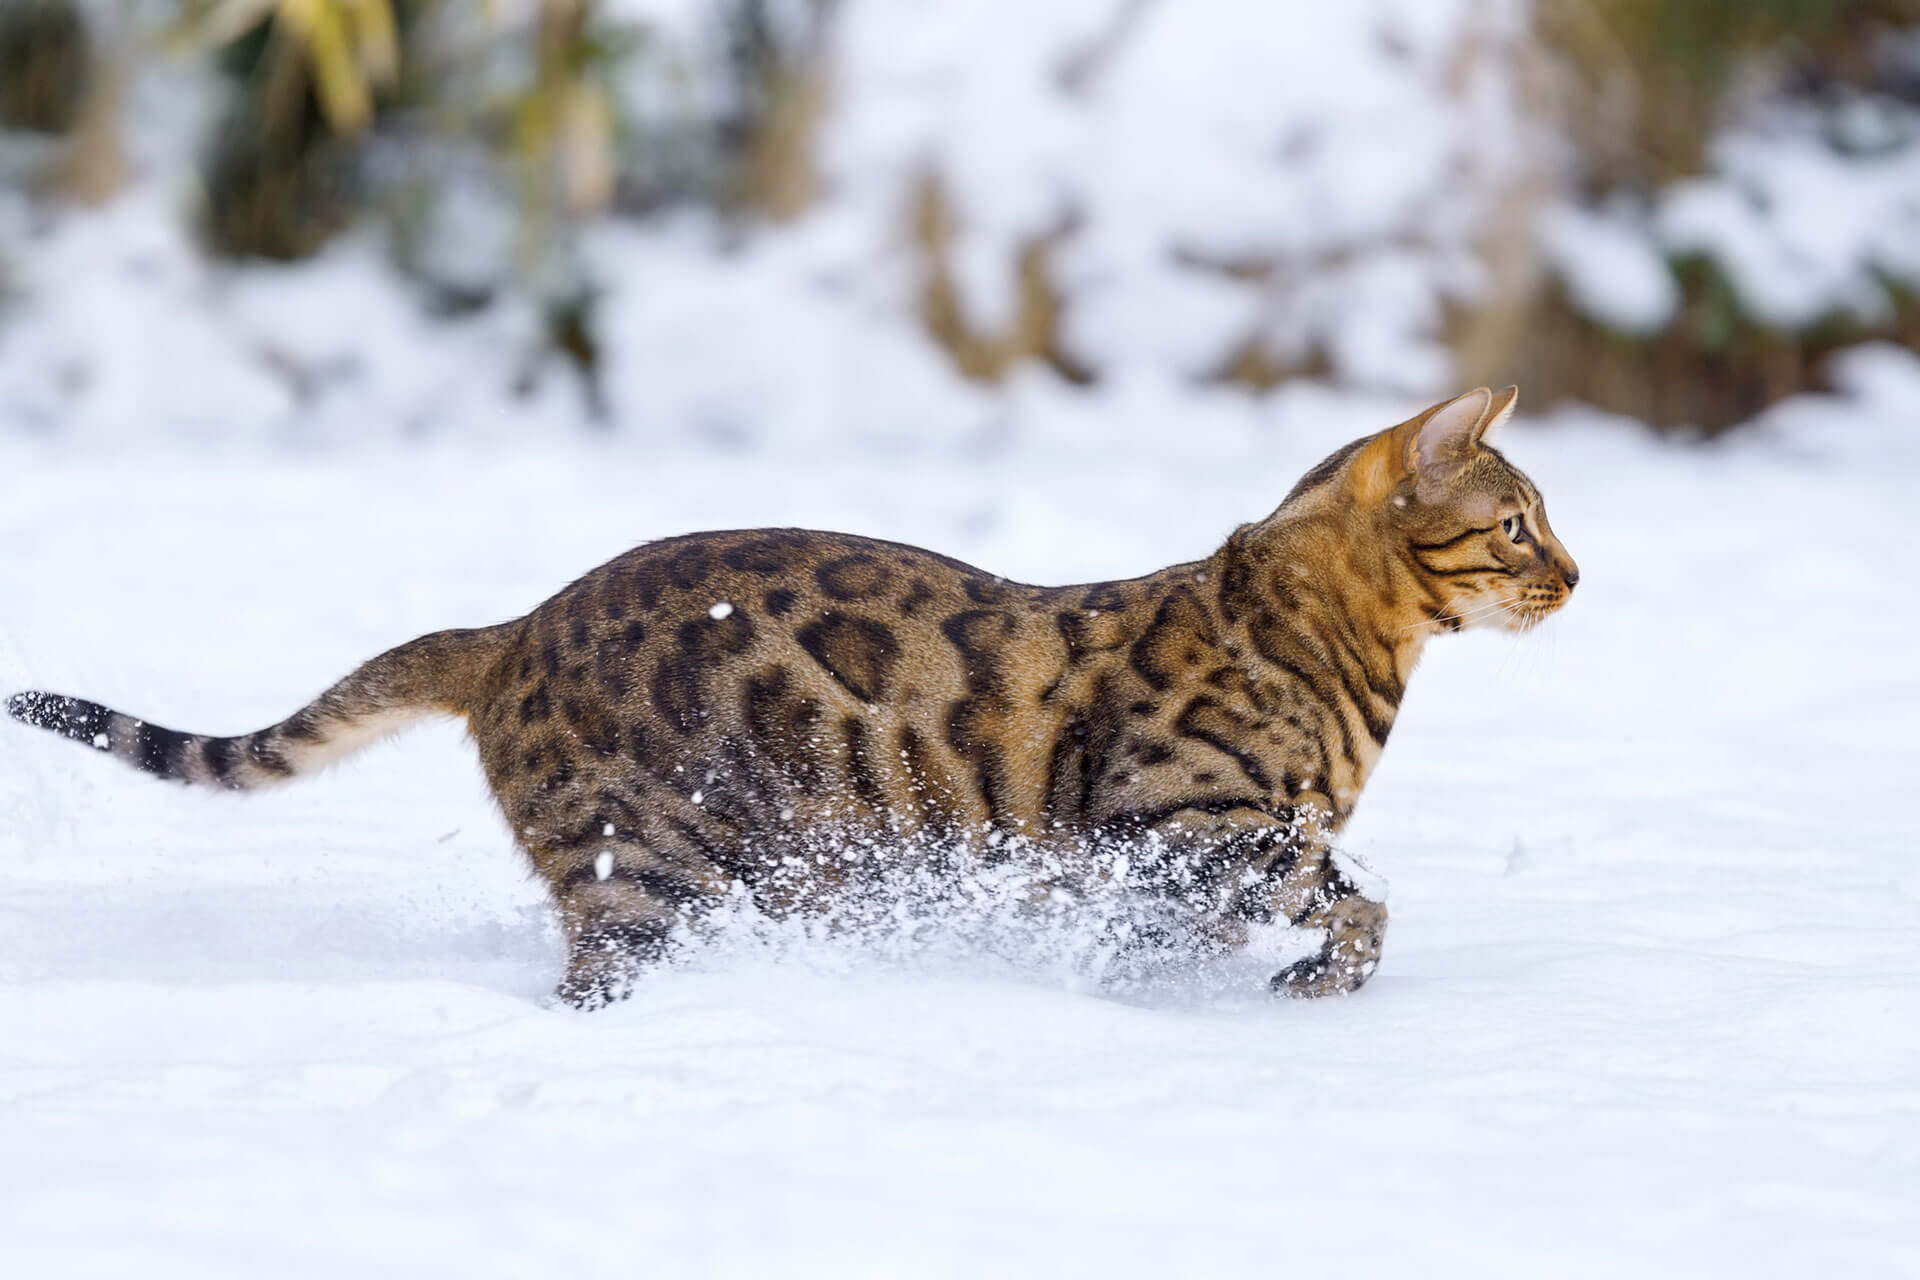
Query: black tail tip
{"x":74,"y":718}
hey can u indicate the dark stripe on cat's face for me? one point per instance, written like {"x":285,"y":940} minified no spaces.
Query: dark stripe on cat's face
{"x":1456,"y":540}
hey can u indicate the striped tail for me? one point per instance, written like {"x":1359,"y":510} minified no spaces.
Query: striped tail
{"x":438,"y":674}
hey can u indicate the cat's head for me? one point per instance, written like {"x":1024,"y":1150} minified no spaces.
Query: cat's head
{"x":1470,"y":527}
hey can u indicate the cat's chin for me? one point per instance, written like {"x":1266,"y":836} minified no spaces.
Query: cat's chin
{"x":1525,"y":615}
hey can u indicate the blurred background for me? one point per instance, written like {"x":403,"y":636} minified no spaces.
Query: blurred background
{"x":899,"y":225}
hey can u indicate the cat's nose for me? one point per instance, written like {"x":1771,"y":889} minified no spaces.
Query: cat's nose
{"x":1572,"y":574}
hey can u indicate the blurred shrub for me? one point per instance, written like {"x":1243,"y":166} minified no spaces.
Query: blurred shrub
{"x":1650,"y":89}
{"x":44,"y":65}
{"x":1715,"y":366}
{"x":1032,"y":333}
{"x":282,"y":169}
{"x":577,"y":112}
{"x":400,"y":110}
{"x":779,"y":92}
{"x":1652,"y":79}
{"x":478,"y":138}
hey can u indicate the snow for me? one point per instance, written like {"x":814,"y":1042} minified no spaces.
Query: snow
{"x":1650,"y":1003}
{"x":1611,"y":268}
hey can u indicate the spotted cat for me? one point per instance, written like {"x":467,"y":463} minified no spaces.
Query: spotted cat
{"x":701,"y":716}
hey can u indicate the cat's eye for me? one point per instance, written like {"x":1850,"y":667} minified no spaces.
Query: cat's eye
{"x":1514,"y":527}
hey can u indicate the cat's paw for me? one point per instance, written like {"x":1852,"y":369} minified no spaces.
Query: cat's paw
{"x":1355,"y":927}
{"x":594,"y":988}
{"x":607,"y":963}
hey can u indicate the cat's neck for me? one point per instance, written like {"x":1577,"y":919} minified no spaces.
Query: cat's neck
{"x":1328,"y":592}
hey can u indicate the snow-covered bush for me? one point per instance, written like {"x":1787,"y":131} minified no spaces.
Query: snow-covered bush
{"x":1724,"y":292}
{"x":732,"y":221}
{"x":1754,"y":207}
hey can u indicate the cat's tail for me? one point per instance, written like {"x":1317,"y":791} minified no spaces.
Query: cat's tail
{"x":438,"y":674}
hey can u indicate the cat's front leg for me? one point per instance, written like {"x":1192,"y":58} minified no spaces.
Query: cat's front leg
{"x":1321,"y":892}
{"x":1264,"y":868}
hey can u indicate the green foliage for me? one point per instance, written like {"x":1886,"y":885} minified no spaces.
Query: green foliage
{"x":1704,"y":40}
{"x":348,"y":48}
{"x":1650,"y":78}
{"x":282,"y":167}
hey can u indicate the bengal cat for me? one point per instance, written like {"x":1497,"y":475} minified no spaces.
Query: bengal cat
{"x":709,"y":715}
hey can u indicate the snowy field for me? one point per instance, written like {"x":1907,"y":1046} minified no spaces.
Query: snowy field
{"x":1651,"y":997}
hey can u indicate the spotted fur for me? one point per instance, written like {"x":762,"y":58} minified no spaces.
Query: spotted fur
{"x":696,"y":717}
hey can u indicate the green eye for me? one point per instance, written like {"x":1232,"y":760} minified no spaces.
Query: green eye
{"x":1515,"y":527}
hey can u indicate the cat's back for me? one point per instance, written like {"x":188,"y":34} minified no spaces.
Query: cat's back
{"x":870,"y":616}
{"x":787,"y":665}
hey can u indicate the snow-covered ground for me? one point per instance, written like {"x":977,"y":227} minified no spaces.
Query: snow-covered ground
{"x":1651,"y":997}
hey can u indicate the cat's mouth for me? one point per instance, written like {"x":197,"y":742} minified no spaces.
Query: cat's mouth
{"x":1532,"y":607}
{"x":1523,"y":611}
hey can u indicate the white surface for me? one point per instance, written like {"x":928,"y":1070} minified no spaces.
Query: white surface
{"x":1650,"y":1003}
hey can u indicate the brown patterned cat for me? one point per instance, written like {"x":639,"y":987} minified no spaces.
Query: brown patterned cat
{"x":708,"y":715}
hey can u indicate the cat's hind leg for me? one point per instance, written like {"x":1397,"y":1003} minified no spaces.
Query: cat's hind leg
{"x":620,"y":908}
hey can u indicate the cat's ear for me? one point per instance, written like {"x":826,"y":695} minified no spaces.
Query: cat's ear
{"x":1440,"y":441}
{"x":1430,"y":448}
{"x":1498,"y":413}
